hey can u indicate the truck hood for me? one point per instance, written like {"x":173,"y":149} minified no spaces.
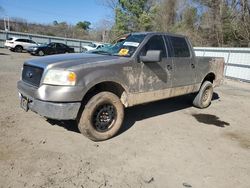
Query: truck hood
{"x":69,"y":61}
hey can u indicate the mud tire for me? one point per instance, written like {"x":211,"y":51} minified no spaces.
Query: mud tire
{"x":204,"y":97}
{"x":90,"y":122}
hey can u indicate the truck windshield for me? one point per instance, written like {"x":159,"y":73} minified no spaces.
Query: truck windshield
{"x":125,"y":48}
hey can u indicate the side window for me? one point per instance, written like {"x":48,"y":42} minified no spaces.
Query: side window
{"x":31,"y":41}
{"x":20,"y":40}
{"x":180,"y":47}
{"x":26,"y":40}
{"x":170,"y":53}
{"x":52,"y":45}
{"x":155,"y":43}
{"x":61,"y":45}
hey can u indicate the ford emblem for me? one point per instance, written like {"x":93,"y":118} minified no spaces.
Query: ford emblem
{"x":29,"y":74}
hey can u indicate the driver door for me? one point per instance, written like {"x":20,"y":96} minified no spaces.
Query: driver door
{"x":154,"y":76}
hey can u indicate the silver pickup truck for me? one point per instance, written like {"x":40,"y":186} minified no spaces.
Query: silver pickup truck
{"x":93,"y":88}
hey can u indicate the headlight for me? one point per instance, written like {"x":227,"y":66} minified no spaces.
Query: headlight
{"x":60,"y":77}
{"x":35,"y":48}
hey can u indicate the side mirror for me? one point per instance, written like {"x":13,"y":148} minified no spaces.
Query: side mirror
{"x":151,"y":56}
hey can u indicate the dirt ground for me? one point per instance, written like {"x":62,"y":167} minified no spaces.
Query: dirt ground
{"x":166,"y":144}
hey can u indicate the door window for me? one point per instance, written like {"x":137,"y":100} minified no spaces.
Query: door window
{"x":155,"y":43}
{"x":60,"y":45}
{"x":180,"y":47}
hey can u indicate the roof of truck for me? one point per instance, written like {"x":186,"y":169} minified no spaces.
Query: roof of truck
{"x":161,"y":33}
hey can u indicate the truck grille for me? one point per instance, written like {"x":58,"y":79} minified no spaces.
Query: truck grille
{"x":32,"y":75}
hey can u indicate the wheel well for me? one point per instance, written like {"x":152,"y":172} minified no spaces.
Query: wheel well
{"x":112,"y":87}
{"x":210,"y":77}
{"x":19,"y":46}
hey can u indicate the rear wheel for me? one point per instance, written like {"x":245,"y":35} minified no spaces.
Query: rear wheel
{"x":41,"y":53}
{"x":204,"y":97}
{"x":18,"y":49}
{"x":102,"y":117}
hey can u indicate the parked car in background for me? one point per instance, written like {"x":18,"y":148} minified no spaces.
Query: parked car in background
{"x":51,"y":48}
{"x":92,"y":46}
{"x":19,"y":44}
{"x":104,"y":47}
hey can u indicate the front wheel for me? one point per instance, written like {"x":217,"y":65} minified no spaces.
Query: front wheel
{"x":41,"y":53}
{"x":204,"y":97}
{"x":102,"y":117}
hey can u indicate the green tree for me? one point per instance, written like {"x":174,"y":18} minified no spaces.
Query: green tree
{"x":133,"y":15}
{"x":85,"y":25}
{"x":55,"y":22}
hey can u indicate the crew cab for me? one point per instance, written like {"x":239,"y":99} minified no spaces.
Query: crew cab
{"x":94,"y":88}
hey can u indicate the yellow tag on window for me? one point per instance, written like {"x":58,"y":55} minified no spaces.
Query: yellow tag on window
{"x":123,"y":52}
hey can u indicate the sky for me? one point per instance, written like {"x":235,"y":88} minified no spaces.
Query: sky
{"x":47,"y":11}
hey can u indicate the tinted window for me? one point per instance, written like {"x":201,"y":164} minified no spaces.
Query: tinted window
{"x":155,"y":43}
{"x":61,"y":45}
{"x":52,"y":45}
{"x":31,"y":41}
{"x":10,"y":39}
{"x":168,"y":46}
{"x":180,"y":47}
{"x":20,"y":40}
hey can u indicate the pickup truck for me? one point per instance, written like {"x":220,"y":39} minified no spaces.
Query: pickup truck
{"x":94,"y":88}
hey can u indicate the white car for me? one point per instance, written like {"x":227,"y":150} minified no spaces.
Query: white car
{"x":19,"y":44}
{"x":92,"y":46}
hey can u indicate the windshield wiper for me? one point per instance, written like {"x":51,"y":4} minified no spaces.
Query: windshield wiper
{"x":101,"y":52}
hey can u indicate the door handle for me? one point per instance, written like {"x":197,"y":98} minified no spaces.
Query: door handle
{"x":192,"y":65}
{"x":169,"y":67}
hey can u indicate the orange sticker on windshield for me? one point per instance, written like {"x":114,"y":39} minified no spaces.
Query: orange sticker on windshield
{"x":123,"y":52}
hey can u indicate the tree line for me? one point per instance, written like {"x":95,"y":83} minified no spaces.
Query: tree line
{"x":81,"y":30}
{"x":205,"y":22}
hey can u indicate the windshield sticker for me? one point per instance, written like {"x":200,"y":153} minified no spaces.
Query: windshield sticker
{"x":123,"y":52}
{"x":134,"y":44}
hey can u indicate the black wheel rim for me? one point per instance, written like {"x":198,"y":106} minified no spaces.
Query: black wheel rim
{"x":104,"y":117}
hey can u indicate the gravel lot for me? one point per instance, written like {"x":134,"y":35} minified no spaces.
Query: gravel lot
{"x":163,"y":144}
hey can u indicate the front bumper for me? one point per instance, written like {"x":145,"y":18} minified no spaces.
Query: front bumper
{"x":52,"y":110}
{"x":39,"y":100}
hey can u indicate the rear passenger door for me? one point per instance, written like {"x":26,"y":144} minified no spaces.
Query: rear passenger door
{"x":184,"y":67}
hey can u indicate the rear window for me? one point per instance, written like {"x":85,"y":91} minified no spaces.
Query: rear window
{"x":180,"y":47}
{"x":10,"y":39}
